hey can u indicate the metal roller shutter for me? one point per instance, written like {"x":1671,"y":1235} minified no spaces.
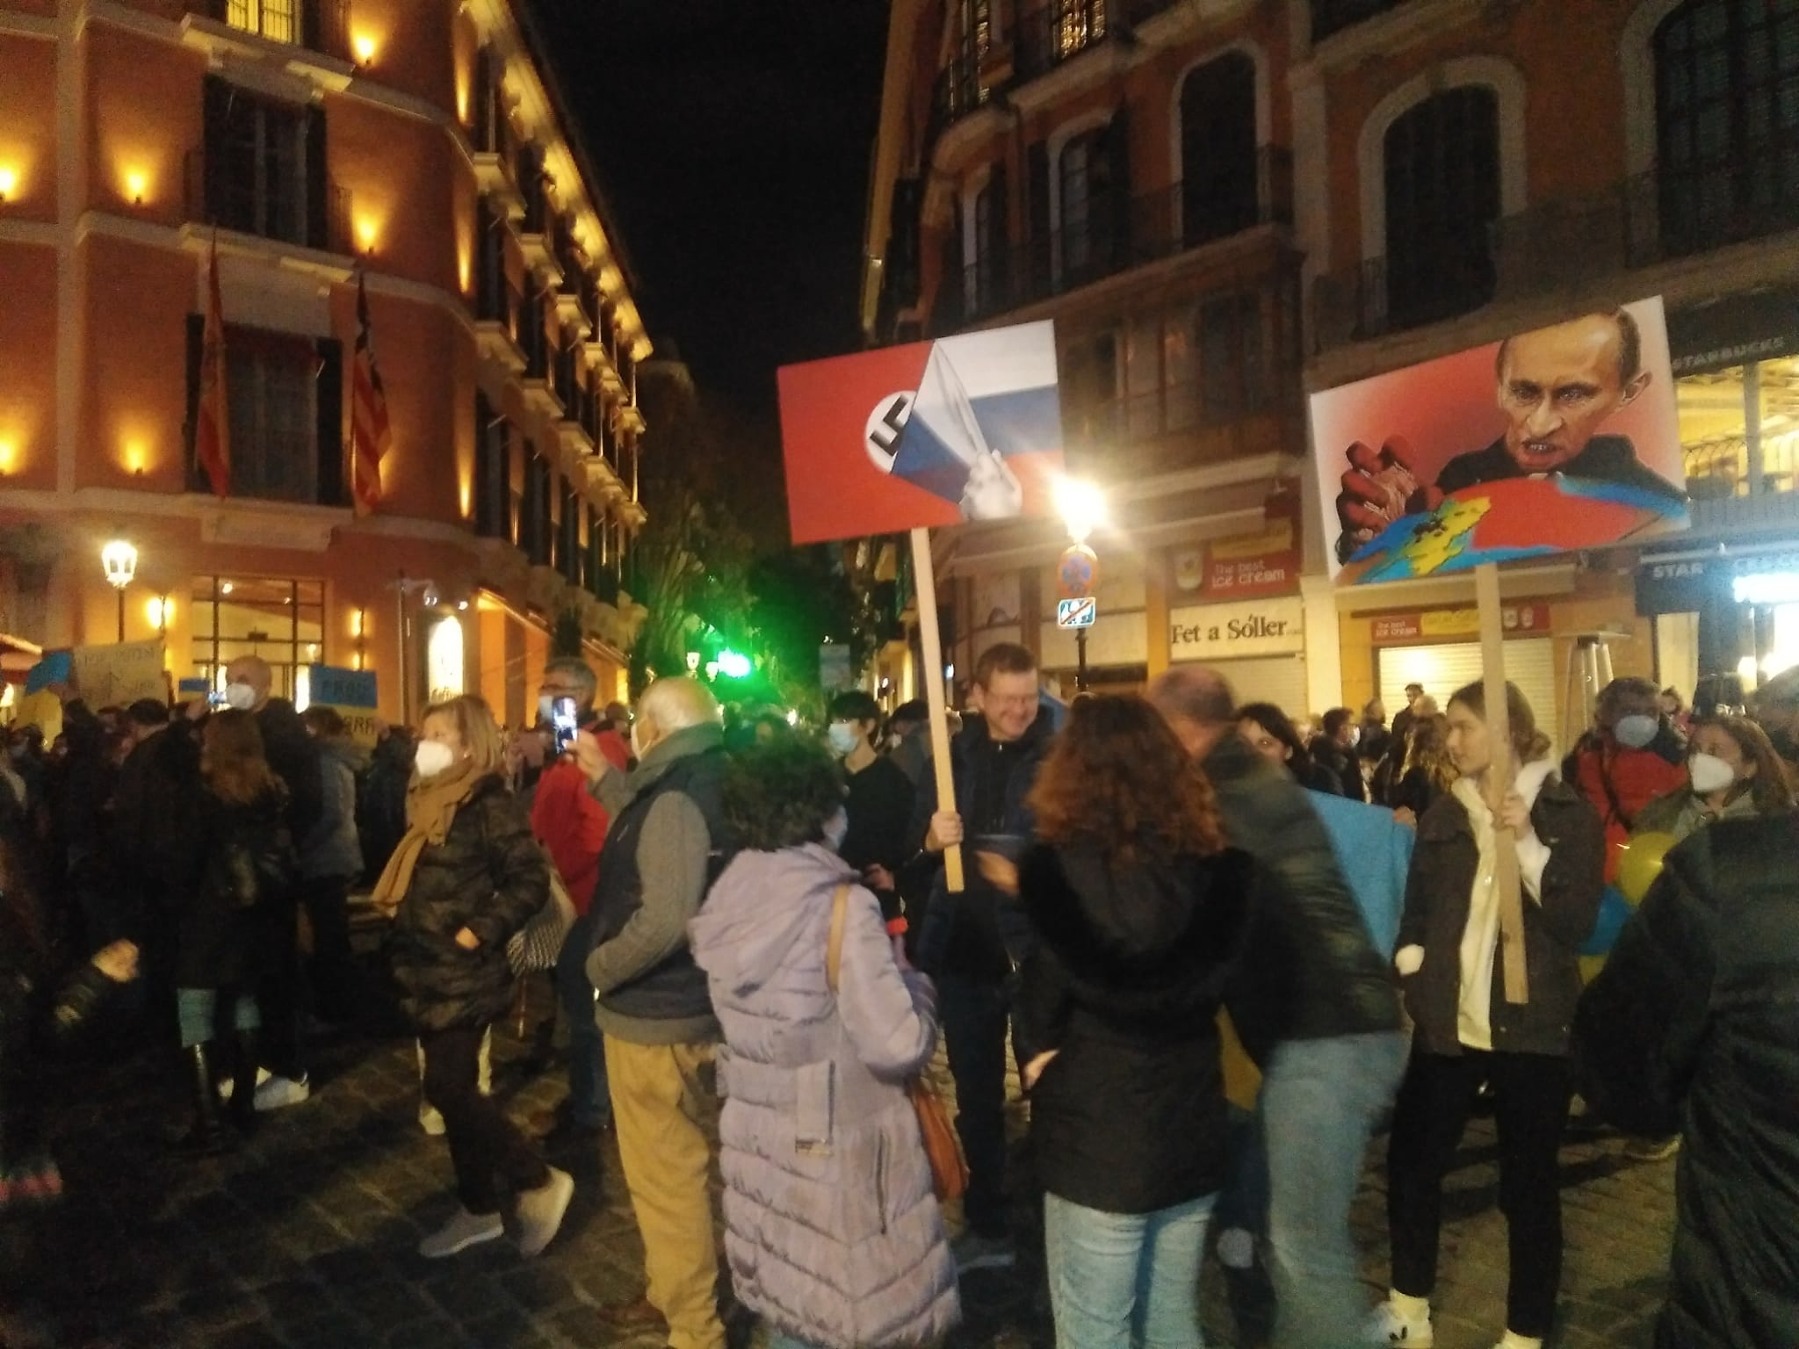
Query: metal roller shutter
{"x":1280,"y":680}
{"x":1445,"y":667}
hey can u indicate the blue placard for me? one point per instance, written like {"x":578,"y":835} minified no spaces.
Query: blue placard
{"x":338,"y":687}
{"x":57,"y":667}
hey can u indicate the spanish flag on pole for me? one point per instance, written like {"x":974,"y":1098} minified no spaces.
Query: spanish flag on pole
{"x":370,"y":433}
{"x":212,"y":425}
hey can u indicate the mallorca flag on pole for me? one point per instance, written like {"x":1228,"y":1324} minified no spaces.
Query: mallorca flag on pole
{"x":212,"y":422}
{"x":370,"y":433}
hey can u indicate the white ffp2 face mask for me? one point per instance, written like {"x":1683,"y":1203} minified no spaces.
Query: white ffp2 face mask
{"x":241,"y":696}
{"x":1708,"y":773}
{"x":432,"y":757}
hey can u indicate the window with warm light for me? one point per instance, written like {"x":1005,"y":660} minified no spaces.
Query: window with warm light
{"x":280,"y":619}
{"x":273,"y":19}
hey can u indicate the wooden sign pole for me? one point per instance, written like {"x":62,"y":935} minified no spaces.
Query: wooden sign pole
{"x":925,"y":579}
{"x":1500,"y":776}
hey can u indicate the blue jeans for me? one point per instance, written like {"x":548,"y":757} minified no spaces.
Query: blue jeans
{"x":1118,"y":1280}
{"x":196,"y":1009}
{"x":1321,"y":1100}
{"x":589,"y":1103}
{"x":973,"y":1016}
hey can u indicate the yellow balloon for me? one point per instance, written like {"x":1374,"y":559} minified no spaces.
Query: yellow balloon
{"x":1641,"y":862}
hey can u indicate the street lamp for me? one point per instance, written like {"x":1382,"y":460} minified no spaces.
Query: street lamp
{"x":119,"y":559}
{"x":1082,"y":507}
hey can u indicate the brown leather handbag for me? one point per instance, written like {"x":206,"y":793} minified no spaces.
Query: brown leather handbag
{"x":949,"y":1173}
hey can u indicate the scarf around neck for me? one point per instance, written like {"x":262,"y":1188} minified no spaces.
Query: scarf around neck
{"x":431,"y":805}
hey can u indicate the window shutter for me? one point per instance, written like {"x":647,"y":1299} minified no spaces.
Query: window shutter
{"x":214,"y":165}
{"x":318,"y":186}
{"x":196,"y":347}
{"x":1037,"y":210}
{"x":332,"y":448}
{"x":1117,"y":221}
{"x":996,"y":249}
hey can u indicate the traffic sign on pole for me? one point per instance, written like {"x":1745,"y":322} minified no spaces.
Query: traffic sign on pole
{"x":1077,"y":572}
{"x":1078,"y":613}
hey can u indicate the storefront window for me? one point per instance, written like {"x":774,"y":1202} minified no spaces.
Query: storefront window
{"x":443,"y":659}
{"x":1738,"y":420}
{"x":281,"y":620}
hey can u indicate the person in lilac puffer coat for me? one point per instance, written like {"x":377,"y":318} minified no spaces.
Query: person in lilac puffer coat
{"x":831,"y":1226}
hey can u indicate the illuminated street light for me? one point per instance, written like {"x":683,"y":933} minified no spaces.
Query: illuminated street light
{"x":1081,"y":505}
{"x":733,"y":665}
{"x":119,"y":559}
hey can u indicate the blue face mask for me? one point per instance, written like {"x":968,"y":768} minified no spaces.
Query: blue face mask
{"x":1635,"y":731}
{"x":844,"y":737}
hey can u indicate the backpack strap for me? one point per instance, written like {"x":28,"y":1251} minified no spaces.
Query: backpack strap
{"x":840,"y":905}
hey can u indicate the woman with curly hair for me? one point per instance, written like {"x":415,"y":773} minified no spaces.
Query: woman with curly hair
{"x":1427,"y":771}
{"x":1140,"y":910}
{"x":831,"y":1224}
{"x":1272,"y":734}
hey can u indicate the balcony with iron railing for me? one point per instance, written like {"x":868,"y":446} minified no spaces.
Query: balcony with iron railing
{"x":1044,"y":37}
{"x":317,"y":25}
{"x":289,"y":214}
{"x":1649,"y":219}
{"x":1155,"y":226}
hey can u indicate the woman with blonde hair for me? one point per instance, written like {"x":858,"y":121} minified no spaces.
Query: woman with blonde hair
{"x":466,"y":876}
{"x":235,"y":860}
{"x":1428,"y":771}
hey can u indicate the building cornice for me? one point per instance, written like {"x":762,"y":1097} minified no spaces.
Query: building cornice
{"x":16,"y":24}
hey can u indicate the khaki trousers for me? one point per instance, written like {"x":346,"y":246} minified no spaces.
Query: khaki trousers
{"x":665,"y":1109}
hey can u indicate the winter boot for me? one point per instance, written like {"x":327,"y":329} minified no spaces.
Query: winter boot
{"x":204,"y":1137}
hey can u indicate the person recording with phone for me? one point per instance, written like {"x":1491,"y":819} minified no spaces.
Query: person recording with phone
{"x":572,"y":825}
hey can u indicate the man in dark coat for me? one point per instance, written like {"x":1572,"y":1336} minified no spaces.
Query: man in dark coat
{"x":972,"y":942}
{"x":294,"y":756}
{"x":1340,"y":1055}
{"x":1692,"y":1027}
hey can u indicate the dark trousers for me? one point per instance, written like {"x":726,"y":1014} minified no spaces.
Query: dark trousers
{"x":973,"y":1015}
{"x":589,"y":1102}
{"x":483,"y":1142}
{"x":280,"y":988}
{"x":331,"y":970}
{"x":1531,"y":1093}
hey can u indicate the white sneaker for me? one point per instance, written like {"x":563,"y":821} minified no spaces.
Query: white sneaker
{"x":431,"y":1120}
{"x":463,"y":1230}
{"x":277,"y":1092}
{"x":226,"y":1085}
{"x":1389,"y":1325}
{"x":540,"y":1212}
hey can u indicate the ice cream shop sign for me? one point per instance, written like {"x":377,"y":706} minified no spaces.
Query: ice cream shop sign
{"x":1270,"y":627}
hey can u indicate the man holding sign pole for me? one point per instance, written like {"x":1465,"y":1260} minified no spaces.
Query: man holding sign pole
{"x":973,"y":941}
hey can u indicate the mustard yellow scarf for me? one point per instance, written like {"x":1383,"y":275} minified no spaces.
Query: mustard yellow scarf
{"x":431,"y":805}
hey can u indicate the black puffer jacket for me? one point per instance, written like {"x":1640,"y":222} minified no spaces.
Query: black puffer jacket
{"x":1341,"y":985}
{"x":1693,"y":1026}
{"x":1125,"y":983}
{"x":1437,"y":895}
{"x":489,"y":876}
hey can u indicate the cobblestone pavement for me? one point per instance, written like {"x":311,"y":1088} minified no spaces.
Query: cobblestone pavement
{"x":305,"y":1238}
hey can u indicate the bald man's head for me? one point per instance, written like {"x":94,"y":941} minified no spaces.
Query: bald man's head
{"x":253,"y":671}
{"x":1197,"y":704}
{"x":670,"y":705}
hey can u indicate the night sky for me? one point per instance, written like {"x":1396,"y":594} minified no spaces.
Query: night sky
{"x":732,"y":139}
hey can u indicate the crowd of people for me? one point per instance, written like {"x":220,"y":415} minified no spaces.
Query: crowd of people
{"x":1221,"y":953}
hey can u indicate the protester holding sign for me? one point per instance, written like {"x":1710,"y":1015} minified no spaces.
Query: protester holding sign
{"x":1467,"y":1030}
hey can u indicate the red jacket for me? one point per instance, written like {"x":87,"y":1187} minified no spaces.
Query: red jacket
{"x":1617,"y":779}
{"x":571,"y":824}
